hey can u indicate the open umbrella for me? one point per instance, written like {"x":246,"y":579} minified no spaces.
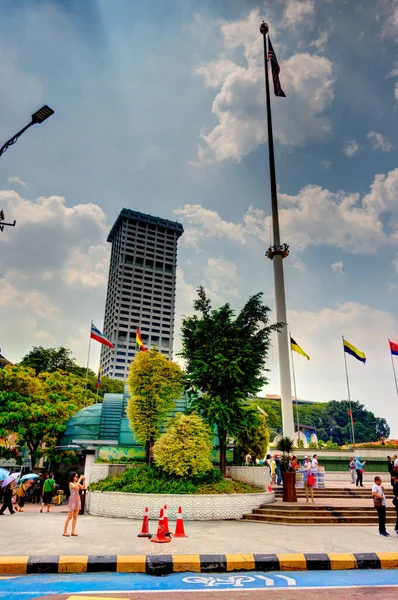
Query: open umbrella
{"x":30,"y":476}
{"x":4,"y":474}
{"x":10,"y":479}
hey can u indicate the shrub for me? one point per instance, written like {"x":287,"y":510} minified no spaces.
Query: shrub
{"x":184,"y":449}
{"x":151,"y":480}
{"x":253,"y":440}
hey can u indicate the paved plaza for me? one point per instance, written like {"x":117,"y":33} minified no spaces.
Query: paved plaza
{"x":32,"y":533}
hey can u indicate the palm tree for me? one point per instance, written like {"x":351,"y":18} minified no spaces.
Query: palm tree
{"x":285,"y":445}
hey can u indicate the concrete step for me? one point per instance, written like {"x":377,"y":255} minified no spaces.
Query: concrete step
{"x":288,"y":508}
{"x":323,"y":520}
{"x":328,"y":494}
{"x":320,"y":513}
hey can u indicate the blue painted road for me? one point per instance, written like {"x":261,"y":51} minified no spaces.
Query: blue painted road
{"x":34,"y":586}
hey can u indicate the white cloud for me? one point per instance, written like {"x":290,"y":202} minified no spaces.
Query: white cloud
{"x":299,"y":12}
{"x":394,"y":262}
{"x":379,"y":141}
{"x":17,"y":180}
{"x":323,"y":378}
{"x":337,"y":267}
{"x":222,"y":279}
{"x":389,"y":18}
{"x":350,"y":148}
{"x":313,"y":217}
{"x":326,"y":164}
{"x":239,"y":105}
{"x":396,"y":91}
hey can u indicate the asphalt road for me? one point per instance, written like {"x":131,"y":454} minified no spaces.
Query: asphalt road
{"x":311,"y":585}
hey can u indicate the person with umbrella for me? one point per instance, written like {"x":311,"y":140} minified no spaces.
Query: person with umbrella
{"x":7,"y":485}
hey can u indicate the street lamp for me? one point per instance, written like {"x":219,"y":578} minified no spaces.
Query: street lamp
{"x":3,"y":223}
{"x":38,"y":117}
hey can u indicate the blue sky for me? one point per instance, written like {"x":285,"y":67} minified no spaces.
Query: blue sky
{"x":160,"y":108}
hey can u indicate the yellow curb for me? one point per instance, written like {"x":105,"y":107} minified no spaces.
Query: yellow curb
{"x":131,"y":563}
{"x":13,"y":565}
{"x":388,"y":560}
{"x":72,"y":564}
{"x":186,"y":562}
{"x":292,"y":562}
{"x":340,"y":562}
{"x":240,"y":562}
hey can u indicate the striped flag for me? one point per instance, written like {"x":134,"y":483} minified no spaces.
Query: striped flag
{"x":139,"y":342}
{"x":278,"y":91}
{"x":98,"y":336}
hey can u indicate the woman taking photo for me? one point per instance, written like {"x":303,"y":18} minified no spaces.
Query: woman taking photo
{"x":76,"y":483}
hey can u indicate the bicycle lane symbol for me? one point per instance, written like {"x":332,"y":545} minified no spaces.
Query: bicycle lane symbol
{"x":239,"y":581}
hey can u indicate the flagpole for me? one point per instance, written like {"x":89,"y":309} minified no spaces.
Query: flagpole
{"x":393,"y":369}
{"x":277,"y":253}
{"x":88,"y":362}
{"x":349,"y":395}
{"x":295,"y":390}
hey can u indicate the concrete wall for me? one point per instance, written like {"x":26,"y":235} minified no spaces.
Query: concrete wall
{"x":99,"y":471}
{"x":258,"y":476}
{"x":206,"y":507}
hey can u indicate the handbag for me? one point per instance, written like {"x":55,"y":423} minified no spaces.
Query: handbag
{"x":377,"y":501}
{"x":311,"y":480}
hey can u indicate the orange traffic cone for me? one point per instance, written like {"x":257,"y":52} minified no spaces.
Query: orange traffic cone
{"x":160,"y":535}
{"x":179,"y":532}
{"x":166,"y":522}
{"x":145,"y":525}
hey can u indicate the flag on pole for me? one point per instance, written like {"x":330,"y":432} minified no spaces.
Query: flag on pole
{"x":139,"y":342}
{"x":98,"y":384}
{"x":278,"y":91}
{"x":350,"y":349}
{"x":296,"y":348}
{"x":99,"y":337}
{"x":394,"y":348}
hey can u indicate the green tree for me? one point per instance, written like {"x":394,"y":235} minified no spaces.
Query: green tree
{"x":254,"y":440}
{"x":155,"y":383}
{"x":36,"y":409}
{"x":49,"y":359}
{"x":225,"y":360}
{"x":184,"y":449}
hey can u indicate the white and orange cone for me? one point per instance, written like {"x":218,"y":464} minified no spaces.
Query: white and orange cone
{"x":160,"y":537}
{"x":180,"y":531}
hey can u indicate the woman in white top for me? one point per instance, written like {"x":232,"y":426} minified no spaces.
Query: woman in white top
{"x":380,"y":504}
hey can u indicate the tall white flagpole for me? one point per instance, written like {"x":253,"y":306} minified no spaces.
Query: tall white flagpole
{"x":295,"y":390}
{"x":393,"y":368}
{"x":88,"y":362}
{"x":349,"y":395}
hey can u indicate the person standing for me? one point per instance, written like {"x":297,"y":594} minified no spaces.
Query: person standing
{"x":395,"y":500}
{"x":308,"y":486}
{"x":390,"y":469}
{"x":7,"y":499}
{"x":76,"y":483}
{"x":22,"y":492}
{"x":359,"y":469}
{"x":352,"y":469}
{"x":48,"y":489}
{"x":314,"y":463}
{"x":272,"y":467}
{"x":278,"y":470}
{"x":380,"y":504}
{"x":395,"y":463}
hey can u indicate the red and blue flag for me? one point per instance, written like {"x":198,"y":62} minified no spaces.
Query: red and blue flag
{"x":275,"y":70}
{"x":393,"y":348}
{"x":98,"y":336}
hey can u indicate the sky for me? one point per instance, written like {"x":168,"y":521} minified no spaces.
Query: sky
{"x":160,"y":107}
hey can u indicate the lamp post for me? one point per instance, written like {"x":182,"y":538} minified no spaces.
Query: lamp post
{"x":38,"y":117}
{"x":3,"y":223}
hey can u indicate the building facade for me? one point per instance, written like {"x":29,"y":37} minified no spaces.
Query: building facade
{"x":141,"y":288}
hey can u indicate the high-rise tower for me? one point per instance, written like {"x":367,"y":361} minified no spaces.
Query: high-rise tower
{"x":141,"y":288}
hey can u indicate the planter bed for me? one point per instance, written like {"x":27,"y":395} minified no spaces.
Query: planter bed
{"x":206,"y":507}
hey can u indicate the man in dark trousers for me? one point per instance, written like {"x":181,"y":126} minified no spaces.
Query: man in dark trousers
{"x":390,"y":468}
{"x":395,"y":500}
{"x":7,"y":500}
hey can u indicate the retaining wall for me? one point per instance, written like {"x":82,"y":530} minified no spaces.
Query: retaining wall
{"x":206,"y":507}
{"x":258,"y":476}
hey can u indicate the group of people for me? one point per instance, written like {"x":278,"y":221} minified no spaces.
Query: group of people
{"x":309,"y":469}
{"x":15,"y":495}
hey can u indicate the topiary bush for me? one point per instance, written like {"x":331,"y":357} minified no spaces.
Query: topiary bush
{"x":184,"y":449}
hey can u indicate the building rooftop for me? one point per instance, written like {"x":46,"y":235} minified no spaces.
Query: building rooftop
{"x":127,"y":213}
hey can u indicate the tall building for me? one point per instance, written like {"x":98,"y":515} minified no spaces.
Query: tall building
{"x":141,"y":288}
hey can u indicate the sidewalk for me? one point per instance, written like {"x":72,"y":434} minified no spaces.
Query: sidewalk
{"x":31,"y":533}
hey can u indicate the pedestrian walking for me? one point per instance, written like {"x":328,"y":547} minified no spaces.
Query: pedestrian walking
{"x":278,"y":470}
{"x":380,"y":504}
{"x":7,"y":499}
{"x":390,"y":469}
{"x":22,"y":493}
{"x":272,"y":467}
{"x":395,"y":500}
{"x":359,"y":469}
{"x":308,"y":479}
{"x":352,"y":469}
{"x":48,"y":489}
{"x":76,"y":483}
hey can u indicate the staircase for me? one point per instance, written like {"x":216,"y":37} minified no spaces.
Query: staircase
{"x":336,"y":506}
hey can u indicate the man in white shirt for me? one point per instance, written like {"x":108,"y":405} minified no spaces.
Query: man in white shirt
{"x":314,"y":462}
{"x":380,"y":505}
{"x":395,"y":463}
{"x":352,"y":469}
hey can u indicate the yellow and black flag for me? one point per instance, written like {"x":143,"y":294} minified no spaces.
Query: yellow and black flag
{"x":296,"y":348}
